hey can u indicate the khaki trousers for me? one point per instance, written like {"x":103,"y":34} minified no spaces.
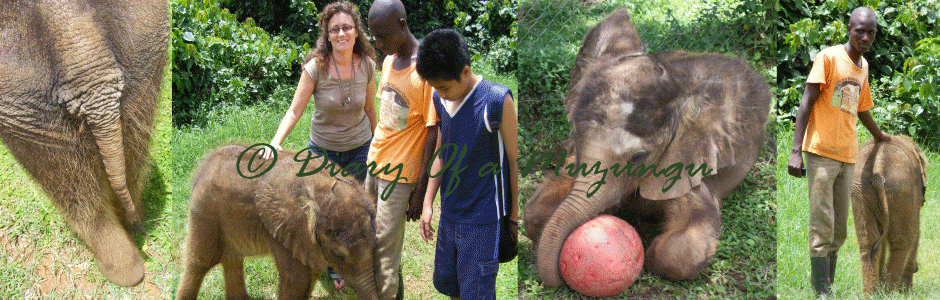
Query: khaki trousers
{"x":389,"y":236}
{"x":830,"y":186}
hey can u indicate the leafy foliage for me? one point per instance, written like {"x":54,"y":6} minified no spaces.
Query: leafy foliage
{"x":294,"y":20}
{"x":217,"y":59}
{"x":488,"y":26}
{"x":903,"y":60}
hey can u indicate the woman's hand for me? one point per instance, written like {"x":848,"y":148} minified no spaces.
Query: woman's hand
{"x":267,"y":154}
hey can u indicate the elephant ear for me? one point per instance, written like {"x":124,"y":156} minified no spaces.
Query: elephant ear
{"x":288,"y":211}
{"x":614,"y":36}
{"x":714,"y":120}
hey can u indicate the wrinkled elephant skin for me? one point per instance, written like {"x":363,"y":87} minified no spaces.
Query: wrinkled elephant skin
{"x":78,"y":95}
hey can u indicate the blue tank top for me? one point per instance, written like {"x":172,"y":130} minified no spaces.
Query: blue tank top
{"x":474,"y":189}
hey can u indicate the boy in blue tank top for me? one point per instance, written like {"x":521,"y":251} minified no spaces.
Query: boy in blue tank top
{"x":478,"y":183}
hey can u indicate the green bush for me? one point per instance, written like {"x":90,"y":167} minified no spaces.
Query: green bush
{"x":488,"y":26}
{"x":217,"y":59}
{"x":294,"y":20}
{"x":910,"y":105}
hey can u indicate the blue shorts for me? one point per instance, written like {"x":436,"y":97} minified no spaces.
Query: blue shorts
{"x":465,"y":262}
{"x":344,"y":158}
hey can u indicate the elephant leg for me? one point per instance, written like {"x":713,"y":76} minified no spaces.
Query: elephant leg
{"x":543,"y":204}
{"x":234,"y":273}
{"x":294,"y":276}
{"x":907,"y":278}
{"x":903,"y":237}
{"x":897,"y":265}
{"x":203,"y":251}
{"x":867,"y":232}
{"x":689,"y":238}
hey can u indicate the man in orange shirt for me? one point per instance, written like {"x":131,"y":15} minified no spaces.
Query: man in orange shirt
{"x":837,"y":95}
{"x":405,"y":136}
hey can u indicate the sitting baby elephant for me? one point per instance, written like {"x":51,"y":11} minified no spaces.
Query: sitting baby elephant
{"x":307,"y":223}
{"x":887,"y":197}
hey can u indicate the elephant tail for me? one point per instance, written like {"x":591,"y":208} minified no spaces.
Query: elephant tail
{"x":878,"y":183}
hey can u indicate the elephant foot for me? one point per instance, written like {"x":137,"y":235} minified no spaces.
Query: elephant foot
{"x":681,"y":256}
{"x":117,"y":256}
{"x":121,"y":271}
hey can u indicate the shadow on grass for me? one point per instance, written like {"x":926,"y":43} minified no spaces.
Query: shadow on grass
{"x":154,"y":201}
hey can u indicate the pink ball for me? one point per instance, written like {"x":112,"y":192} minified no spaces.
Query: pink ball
{"x":602,"y":257}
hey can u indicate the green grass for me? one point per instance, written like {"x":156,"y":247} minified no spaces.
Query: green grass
{"x":41,"y":257}
{"x":793,"y":252}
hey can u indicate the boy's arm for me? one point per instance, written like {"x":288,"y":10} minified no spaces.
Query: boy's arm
{"x":872,"y":127}
{"x":810,"y":94}
{"x":510,"y":130}
{"x":415,"y":203}
{"x":434,"y":183}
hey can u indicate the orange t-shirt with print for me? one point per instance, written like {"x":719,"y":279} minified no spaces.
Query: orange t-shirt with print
{"x":405,"y":111}
{"x":843,"y":93}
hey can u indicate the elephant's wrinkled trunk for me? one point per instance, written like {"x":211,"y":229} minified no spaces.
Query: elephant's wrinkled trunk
{"x":576,"y":209}
{"x":364,"y":284}
{"x":91,"y":86}
{"x":110,"y":142}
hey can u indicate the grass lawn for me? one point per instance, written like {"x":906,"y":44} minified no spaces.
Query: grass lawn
{"x":793,"y":252}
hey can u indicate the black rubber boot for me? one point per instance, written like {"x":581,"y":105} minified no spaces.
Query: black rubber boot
{"x":401,"y":287}
{"x":832,"y":268}
{"x":820,"y":276}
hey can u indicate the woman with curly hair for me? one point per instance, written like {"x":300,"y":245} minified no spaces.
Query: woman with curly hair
{"x":338,"y":73}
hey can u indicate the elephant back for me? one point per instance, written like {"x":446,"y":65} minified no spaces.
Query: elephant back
{"x":900,"y":162}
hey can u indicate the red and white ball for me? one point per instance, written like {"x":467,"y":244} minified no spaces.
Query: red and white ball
{"x":602,"y":257}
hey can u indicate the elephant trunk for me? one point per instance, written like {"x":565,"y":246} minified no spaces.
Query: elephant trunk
{"x":576,"y":209}
{"x":91,"y":86}
{"x":364,"y":284}
{"x":108,"y":136}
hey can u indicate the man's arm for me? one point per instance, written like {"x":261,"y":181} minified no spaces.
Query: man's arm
{"x":810,"y":94}
{"x":872,"y":127}
{"x":416,"y":201}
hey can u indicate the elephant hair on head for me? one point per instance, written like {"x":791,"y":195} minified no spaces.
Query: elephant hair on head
{"x":78,"y":94}
{"x":887,"y":196}
{"x":307,"y":223}
{"x":630,"y":109}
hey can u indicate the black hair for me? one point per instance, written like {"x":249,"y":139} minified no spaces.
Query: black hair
{"x":442,"y":55}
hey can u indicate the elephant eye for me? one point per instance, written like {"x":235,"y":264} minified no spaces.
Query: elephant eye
{"x":638,"y":157}
{"x":337,"y":256}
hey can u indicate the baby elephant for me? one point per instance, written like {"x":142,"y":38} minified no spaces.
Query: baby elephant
{"x":307,"y":223}
{"x":887,"y":197}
